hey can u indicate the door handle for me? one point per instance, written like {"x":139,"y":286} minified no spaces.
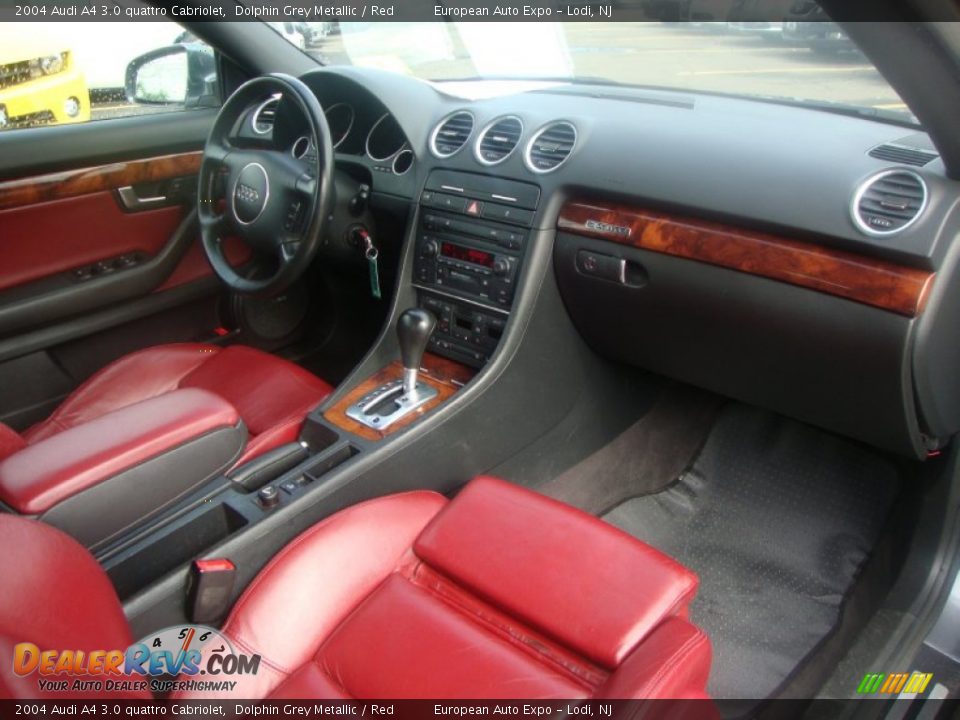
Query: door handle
{"x":132,"y":202}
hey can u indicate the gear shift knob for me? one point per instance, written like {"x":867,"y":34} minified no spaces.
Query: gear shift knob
{"x":414,"y":328}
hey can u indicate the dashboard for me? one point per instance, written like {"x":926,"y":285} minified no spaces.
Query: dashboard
{"x":793,"y":258}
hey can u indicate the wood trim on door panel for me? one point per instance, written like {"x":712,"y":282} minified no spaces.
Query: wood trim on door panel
{"x":879,"y":283}
{"x":83,"y":181}
{"x":446,"y":376}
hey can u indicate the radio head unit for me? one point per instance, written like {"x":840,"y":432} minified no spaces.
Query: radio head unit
{"x":471,"y":238}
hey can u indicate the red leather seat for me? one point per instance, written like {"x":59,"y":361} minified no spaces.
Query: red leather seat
{"x":500,"y":593}
{"x":273,"y":396}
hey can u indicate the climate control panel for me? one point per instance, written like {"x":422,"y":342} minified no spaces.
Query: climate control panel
{"x":464,"y":332}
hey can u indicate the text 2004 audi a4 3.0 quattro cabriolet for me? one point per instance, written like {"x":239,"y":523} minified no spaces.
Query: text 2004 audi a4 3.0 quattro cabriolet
{"x":452,"y":360}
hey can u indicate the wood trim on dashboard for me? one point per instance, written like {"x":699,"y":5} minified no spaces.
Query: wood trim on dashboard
{"x":446,"y":376}
{"x":83,"y":181}
{"x":879,"y":283}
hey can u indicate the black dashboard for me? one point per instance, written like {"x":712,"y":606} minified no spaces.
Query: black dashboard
{"x":851,"y":186}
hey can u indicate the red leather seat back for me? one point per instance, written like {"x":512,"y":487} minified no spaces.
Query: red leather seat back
{"x":502,"y":593}
{"x":53,"y":594}
{"x":546,"y":563}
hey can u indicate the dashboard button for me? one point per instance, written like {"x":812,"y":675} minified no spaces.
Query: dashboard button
{"x":518,"y":216}
{"x":451,"y":202}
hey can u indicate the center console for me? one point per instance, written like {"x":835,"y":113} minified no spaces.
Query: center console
{"x":470,"y":244}
{"x":471,"y":239}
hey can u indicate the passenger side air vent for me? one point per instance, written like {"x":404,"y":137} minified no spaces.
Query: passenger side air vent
{"x":265,"y":115}
{"x":498,"y":140}
{"x":451,"y":134}
{"x":889,"y":202}
{"x":550,"y":146}
{"x":903,"y":155}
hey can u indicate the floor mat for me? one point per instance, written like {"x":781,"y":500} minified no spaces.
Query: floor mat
{"x":777,"y":519}
{"x":645,"y":458}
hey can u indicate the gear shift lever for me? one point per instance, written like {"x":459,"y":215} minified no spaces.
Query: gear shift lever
{"x":414,"y":328}
{"x":382,"y":407}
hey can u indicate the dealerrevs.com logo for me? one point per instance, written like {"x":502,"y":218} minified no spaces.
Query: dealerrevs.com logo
{"x":199,"y":657}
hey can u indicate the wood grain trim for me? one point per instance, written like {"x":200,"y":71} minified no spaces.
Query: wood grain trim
{"x":445,"y":375}
{"x":71,"y":183}
{"x":878,"y":283}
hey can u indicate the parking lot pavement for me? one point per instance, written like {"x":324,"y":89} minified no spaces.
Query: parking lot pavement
{"x":676,"y":56}
{"x":730,"y":62}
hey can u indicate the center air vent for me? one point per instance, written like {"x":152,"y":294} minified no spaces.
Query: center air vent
{"x":265,"y":115}
{"x":889,"y":202}
{"x":550,"y":146}
{"x":498,"y":139}
{"x":451,"y":134}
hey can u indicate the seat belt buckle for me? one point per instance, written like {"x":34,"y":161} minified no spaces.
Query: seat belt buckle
{"x":211,"y":585}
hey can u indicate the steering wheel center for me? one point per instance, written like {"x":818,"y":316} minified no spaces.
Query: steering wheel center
{"x":251,"y":192}
{"x":276,"y":203}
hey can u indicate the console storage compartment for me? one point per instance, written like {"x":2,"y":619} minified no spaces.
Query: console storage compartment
{"x":172,"y":546}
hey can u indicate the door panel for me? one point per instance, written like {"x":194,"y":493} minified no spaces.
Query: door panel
{"x":65,"y":206}
{"x":47,"y":238}
{"x":113,"y":233}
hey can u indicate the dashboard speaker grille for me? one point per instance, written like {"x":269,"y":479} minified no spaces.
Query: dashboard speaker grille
{"x":451,"y":134}
{"x":903,"y":155}
{"x":551,"y":146}
{"x":498,"y":140}
{"x":889,"y":202}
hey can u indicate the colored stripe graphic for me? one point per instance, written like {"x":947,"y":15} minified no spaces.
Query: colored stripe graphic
{"x":894,"y":683}
{"x":870,"y":683}
{"x":918,"y":682}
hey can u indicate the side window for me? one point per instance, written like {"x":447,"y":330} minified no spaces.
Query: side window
{"x":53,"y":73}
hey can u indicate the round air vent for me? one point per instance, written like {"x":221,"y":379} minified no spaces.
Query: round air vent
{"x":889,"y":202}
{"x":265,"y":115}
{"x":550,"y":146}
{"x":451,"y":134}
{"x":498,"y":139}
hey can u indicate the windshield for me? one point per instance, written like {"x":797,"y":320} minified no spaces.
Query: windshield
{"x":810,"y":62}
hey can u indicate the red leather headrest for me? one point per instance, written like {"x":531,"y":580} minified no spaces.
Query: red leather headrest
{"x":544,"y":562}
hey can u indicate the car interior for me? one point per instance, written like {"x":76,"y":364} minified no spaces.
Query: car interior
{"x":637,"y":392}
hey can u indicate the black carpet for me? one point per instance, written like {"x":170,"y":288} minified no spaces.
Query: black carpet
{"x":777,"y":519}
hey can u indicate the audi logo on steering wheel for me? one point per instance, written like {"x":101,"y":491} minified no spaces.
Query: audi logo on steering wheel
{"x":251,"y":192}
{"x":245,"y":193}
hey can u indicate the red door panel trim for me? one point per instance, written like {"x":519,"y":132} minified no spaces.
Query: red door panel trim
{"x":52,"y":237}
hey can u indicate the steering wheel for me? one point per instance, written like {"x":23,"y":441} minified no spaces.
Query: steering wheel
{"x":272,"y":201}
